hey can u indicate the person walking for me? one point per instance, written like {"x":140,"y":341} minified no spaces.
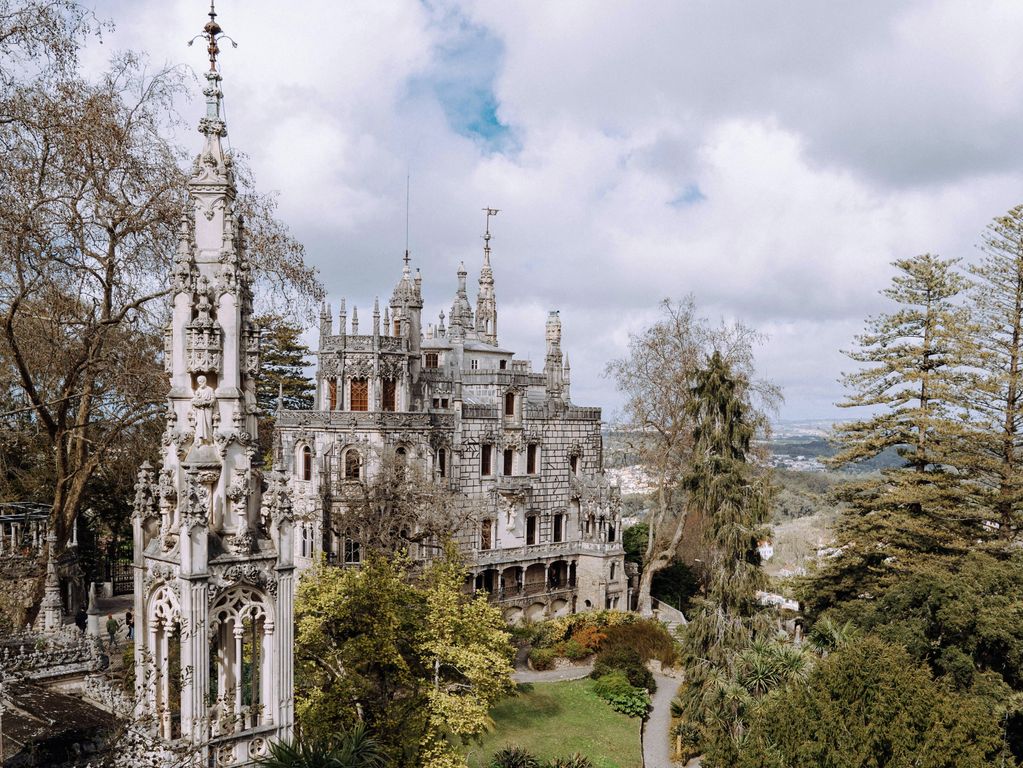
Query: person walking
{"x":82,"y":619}
{"x":129,"y":622}
{"x":112,"y":628}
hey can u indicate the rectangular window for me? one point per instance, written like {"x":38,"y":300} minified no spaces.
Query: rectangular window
{"x":503,"y":364}
{"x":332,"y":393}
{"x":360,"y":395}
{"x":559,"y":527}
{"x":531,"y":529}
{"x":509,"y":461}
{"x":390,"y":395}
{"x":486,"y":460}
{"x":474,"y":364}
{"x":509,"y":404}
{"x":487,"y":534}
{"x":436,"y":402}
{"x":397,"y":327}
{"x":531,"y":453}
{"x":443,"y":402}
{"x":442,"y":462}
{"x":431,"y":360}
{"x":573,"y":463}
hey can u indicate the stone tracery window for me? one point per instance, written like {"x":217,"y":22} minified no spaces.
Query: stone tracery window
{"x":164,"y":650}
{"x":332,"y":393}
{"x":360,"y":394}
{"x":242,"y":625}
{"x":352,"y":554}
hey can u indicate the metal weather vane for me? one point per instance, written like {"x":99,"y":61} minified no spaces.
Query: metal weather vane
{"x":212,"y":33}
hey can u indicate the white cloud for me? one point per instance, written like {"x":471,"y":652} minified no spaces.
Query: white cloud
{"x":772,"y":159}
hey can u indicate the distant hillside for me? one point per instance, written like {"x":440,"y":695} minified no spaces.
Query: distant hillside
{"x":795,"y":445}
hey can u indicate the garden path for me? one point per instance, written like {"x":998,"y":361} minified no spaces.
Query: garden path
{"x":656,"y":747}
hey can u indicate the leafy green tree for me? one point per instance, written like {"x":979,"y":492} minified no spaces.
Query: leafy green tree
{"x":734,"y":498}
{"x":657,"y":380}
{"x":466,"y":650}
{"x":418,"y":661}
{"x":869,"y":705}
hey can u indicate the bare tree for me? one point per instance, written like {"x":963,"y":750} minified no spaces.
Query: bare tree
{"x":657,"y":378}
{"x":91,"y":201}
{"x":395,"y":504}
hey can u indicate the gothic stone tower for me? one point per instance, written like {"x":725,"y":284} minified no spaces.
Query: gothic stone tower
{"x":213,"y":540}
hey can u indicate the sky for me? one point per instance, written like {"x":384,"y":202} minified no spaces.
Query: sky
{"x":771,"y":159}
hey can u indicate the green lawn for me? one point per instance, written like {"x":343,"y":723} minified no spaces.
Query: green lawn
{"x":558,"y":719}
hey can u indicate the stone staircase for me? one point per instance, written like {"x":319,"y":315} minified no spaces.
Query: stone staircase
{"x":671,"y":617}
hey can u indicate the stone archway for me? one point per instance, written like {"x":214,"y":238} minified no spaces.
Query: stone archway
{"x":536,"y":612}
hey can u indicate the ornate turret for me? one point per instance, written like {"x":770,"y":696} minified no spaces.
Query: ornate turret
{"x":486,"y":300}
{"x":552,"y":368}
{"x":407,"y":306}
{"x":212,"y":555}
{"x":461,"y":312}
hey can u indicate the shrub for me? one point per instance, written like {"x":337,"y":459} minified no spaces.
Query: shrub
{"x":575,"y":761}
{"x":589,"y":638}
{"x":573,"y":650}
{"x":627,"y":661}
{"x":647,"y":637}
{"x":514,"y":757}
{"x":612,"y":684}
{"x":541,"y":659}
{"x":615,"y":689}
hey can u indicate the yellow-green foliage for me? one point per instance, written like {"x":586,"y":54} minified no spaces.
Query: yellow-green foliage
{"x":419,"y":662}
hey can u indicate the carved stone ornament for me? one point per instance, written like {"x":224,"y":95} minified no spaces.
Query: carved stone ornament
{"x":203,"y":405}
{"x":358,"y":368}
{"x":392,"y":367}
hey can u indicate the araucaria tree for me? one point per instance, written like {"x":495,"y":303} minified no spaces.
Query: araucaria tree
{"x":732,"y":494}
{"x":657,"y":378}
{"x":992,"y":454}
{"x":911,"y":376}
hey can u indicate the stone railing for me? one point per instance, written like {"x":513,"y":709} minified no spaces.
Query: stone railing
{"x":546,"y":551}
{"x":108,"y":695}
{"x":366,"y":419}
{"x":41,"y":657}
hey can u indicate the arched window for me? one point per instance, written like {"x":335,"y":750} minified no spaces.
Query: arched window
{"x":360,"y":394}
{"x":487,"y":534}
{"x":352,"y":554}
{"x":509,"y":404}
{"x":442,"y":463}
{"x":613,"y":569}
{"x":332,"y":393}
{"x":353,"y":463}
{"x":307,"y":463}
{"x":390,"y":395}
{"x":242,"y":624}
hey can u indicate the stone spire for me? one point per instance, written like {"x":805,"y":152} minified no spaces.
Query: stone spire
{"x":51,"y":605}
{"x":486,"y":300}
{"x":211,"y":552}
{"x":553,"y":368}
{"x":461,"y":312}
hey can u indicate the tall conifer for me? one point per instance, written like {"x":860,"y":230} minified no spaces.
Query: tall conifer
{"x":993,"y":450}
{"x":912,"y":377}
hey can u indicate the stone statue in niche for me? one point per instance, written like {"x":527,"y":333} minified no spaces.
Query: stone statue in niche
{"x":203,"y":402}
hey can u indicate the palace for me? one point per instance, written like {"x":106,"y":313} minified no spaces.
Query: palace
{"x":540,"y":523}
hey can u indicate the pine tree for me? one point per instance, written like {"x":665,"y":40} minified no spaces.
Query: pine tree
{"x":993,"y":450}
{"x":282,"y":366}
{"x":912,"y":377}
{"x":733,"y":497}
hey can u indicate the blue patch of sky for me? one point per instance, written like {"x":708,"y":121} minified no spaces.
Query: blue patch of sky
{"x":461,"y":79}
{"x":691,"y":194}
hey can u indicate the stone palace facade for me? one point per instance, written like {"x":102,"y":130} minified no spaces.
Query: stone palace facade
{"x":542,"y":530}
